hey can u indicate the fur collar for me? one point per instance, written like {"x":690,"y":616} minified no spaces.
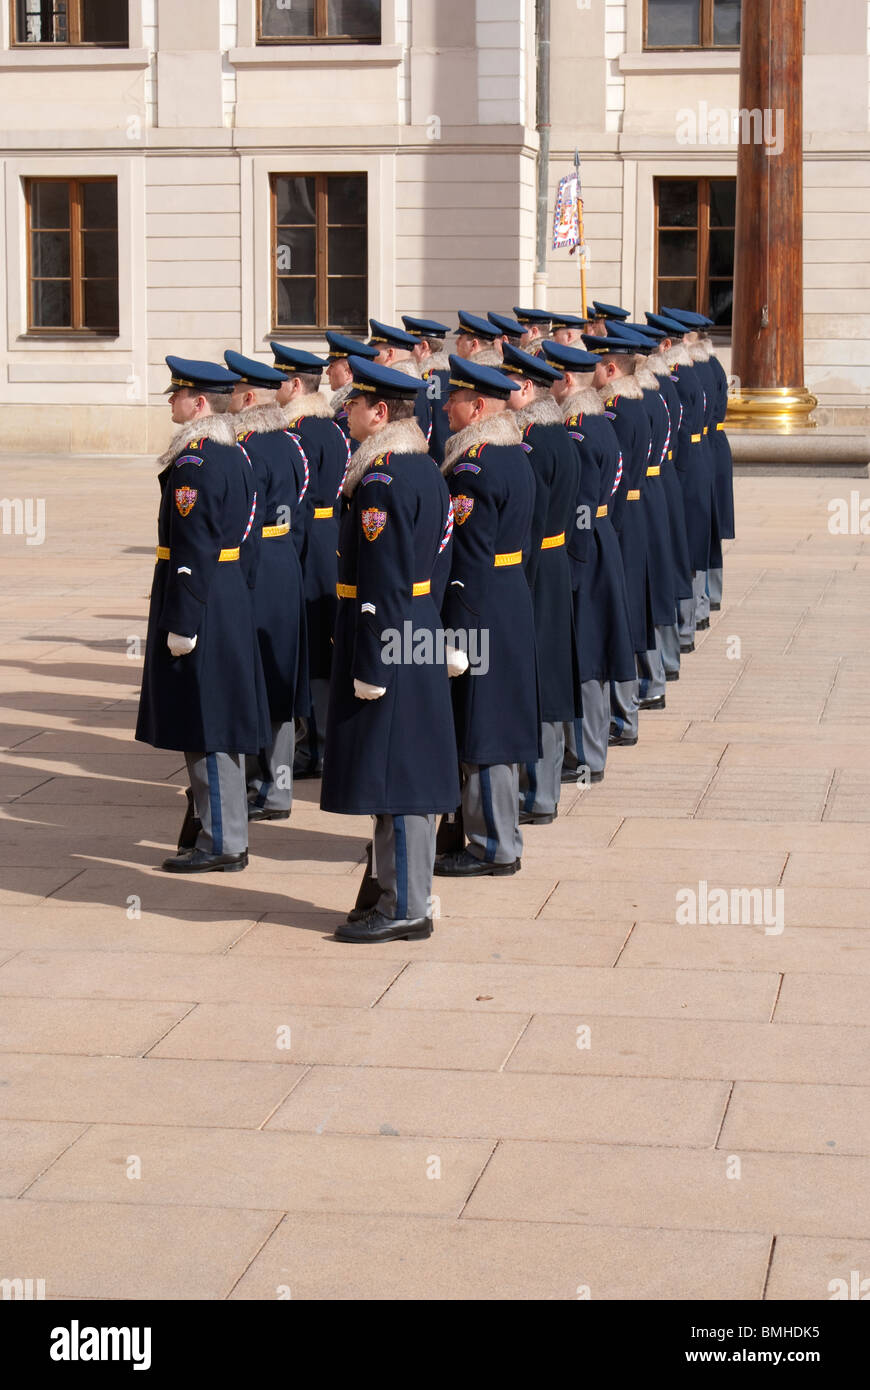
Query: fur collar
{"x":338,"y":398}
{"x":486,"y":357}
{"x":585,"y":402}
{"x":313,"y":406}
{"x":646,"y":379}
{"x":409,"y":366}
{"x":699,"y":352}
{"x":626,"y":386}
{"x":499,"y":429}
{"x":261,"y":419}
{"x":438,"y":362}
{"x":657,"y":364}
{"x":677,"y":356}
{"x":399,"y":437}
{"x":545,"y":411}
{"x":215,"y":427}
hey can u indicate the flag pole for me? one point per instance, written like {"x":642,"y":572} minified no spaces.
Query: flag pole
{"x":581,"y":249}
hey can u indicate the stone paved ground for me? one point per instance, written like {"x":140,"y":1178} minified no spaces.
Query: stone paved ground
{"x":434,"y":1129}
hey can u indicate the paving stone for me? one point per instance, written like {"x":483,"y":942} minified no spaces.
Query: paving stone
{"x":830,"y":950}
{"x":87,"y":1027}
{"x":798,"y":1119}
{"x":827,"y":999}
{"x":29,"y":1147}
{"x":357,"y":1257}
{"x":56,"y":926}
{"x":818,"y":1267}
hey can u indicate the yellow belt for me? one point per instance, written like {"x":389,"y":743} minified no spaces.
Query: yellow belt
{"x":721,"y":425}
{"x":511,"y":557}
{"x":654,"y":471}
{"x":633,"y":496}
{"x":696,"y":439}
{"x":424,"y":586}
{"x":553,"y":542}
{"x":323,"y":513}
{"x":163,"y":553}
{"x":670,"y":454}
{"x":270,"y":532}
{"x":602,"y":511}
{"x":705,"y":429}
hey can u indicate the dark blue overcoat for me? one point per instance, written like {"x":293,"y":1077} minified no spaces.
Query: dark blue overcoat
{"x":706,"y":376}
{"x":674,"y":493}
{"x":629,"y":418}
{"x":692,"y":461}
{"x":328,"y":451}
{"x":555,"y":467}
{"x":601,"y":618}
{"x":659,"y":552}
{"x":723,"y":468}
{"x":493,"y":489}
{"x":282,"y":474}
{"x":395,"y":755}
{"x":214,"y":699}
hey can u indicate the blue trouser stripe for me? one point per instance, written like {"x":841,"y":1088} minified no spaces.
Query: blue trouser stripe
{"x":214,"y":801}
{"x":531,"y":795}
{"x":491,"y":834}
{"x":401,"y":867}
{"x":578,"y":738}
{"x":615,"y":718}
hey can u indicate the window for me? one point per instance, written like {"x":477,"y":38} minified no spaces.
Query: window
{"x":692,"y":24}
{"x":102,"y":23}
{"x":336,"y":21}
{"x":695,"y":246}
{"x":319,"y":252}
{"x":72,"y":235}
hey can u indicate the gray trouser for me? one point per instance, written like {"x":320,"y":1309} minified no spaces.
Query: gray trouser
{"x":270,"y":773}
{"x":668,"y":639}
{"x":217,"y":781}
{"x":702,"y":598}
{"x":541,"y":782}
{"x":651,"y":672}
{"x":403,"y":857}
{"x":686,"y":626}
{"x":594,"y":727}
{"x":714,"y":585}
{"x":490,"y":812}
{"x":624,"y":707}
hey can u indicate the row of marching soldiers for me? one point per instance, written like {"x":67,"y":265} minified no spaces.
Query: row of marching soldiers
{"x":447,"y":590}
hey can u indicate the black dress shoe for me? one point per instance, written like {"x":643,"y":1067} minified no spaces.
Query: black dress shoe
{"x":672,"y":675}
{"x":303,"y":772}
{"x":374,"y":926}
{"x":198,"y":861}
{"x":702,"y":624}
{"x":465,"y":865}
{"x":620,"y":741}
{"x":597,"y":776}
{"x":715,"y":607}
{"x":657,"y":703}
{"x":690,"y":647}
{"x":190,"y":826}
{"x":529,"y":818}
{"x":571,"y":774}
{"x":260,"y":813}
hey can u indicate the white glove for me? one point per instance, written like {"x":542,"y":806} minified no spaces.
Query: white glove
{"x":363,"y":691}
{"x":178,"y":645}
{"x":457,"y":661}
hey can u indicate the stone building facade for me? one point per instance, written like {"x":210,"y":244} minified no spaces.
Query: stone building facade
{"x":182,"y":178}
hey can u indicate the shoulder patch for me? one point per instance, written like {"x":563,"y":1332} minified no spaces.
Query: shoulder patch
{"x":462,"y":508}
{"x":610,"y":414}
{"x":575,"y":434}
{"x":376,"y":478}
{"x":528,"y":447}
{"x":189,"y":458}
{"x":467,"y":468}
{"x":185,"y":499}
{"x":373,"y":523}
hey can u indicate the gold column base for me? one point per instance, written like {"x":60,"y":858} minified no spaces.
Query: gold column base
{"x":780,"y":409}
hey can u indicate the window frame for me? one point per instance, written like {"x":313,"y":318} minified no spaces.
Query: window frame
{"x":321,"y":33}
{"x":76,"y":256}
{"x":705,"y":33}
{"x":321,"y":254}
{"x":702,"y":277}
{"x":74,"y":21}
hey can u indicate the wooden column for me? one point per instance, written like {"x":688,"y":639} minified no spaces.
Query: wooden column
{"x":768,"y":332}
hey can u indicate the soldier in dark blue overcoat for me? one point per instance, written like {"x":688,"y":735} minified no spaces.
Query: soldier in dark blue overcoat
{"x":395,"y":349}
{"x":340,"y":377}
{"x":430,"y":355}
{"x":327,"y":448}
{"x":390,"y":743}
{"x":496,"y":701}
{"x":202,"y":686}
{"x":605,"y":651}
{"x":282,"y":473}
{"x":555,"y":466}
{"x":624,"y":407}
{"x":659,"y":367}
